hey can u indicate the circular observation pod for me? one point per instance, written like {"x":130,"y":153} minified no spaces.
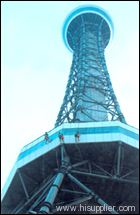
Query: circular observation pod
{"x":88,"y":14}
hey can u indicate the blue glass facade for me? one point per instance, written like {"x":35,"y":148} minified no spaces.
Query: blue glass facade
{"x":82,"y":131}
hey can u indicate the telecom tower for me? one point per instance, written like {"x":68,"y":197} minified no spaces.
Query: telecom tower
{"x":102,"y":168}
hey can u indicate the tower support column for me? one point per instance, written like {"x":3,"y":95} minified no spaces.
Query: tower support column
{"x":119,"y":158}
{"x":47,"y":205}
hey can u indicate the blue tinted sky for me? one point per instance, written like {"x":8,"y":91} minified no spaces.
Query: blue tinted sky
{"x":35,"y":66}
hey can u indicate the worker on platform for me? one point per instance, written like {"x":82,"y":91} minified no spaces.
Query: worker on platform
{"x":77,"y":137}
{"x":61,"y":137}
{"x":46,"y":137}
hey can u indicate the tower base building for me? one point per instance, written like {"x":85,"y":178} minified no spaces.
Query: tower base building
{"x":102,"y":168}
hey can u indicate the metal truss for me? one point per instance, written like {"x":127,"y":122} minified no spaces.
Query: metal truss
{"x":65,"y":169}
{"x":89,"y":94}
{"x":44,"y":199}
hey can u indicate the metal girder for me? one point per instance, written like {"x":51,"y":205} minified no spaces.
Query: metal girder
{"x":113,"y":165}
{"x":119,"y":157}
{"x":56,"y":152}
{"x":18,"y":206}
{"x":39,"y":199}
{"x":62,"y":153}
{"x":68,"y":202}
{"x":47,"y":205}
{"x":96,"y":198}
{"x":55,"y":185}
{"x":71,"y":191}
{"x":77,"y":164}
{"x":89,"y":165}
{"x":28,"y":177}
{"x":32,"y":212}
{"x":75,"y":202}
{"x":32,"y":197}
{"x":120,"y":115}
{"x":104,"y":176}
{"x":102,"y":169}
{"x":23,"y":185}
{"x":129,"y":156}
{"x":127,"y":174}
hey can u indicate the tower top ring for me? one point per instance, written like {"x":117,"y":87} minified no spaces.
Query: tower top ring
{"x":86,"y":9}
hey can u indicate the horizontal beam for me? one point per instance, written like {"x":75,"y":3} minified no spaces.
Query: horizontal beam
{"x":104,"y":176}
{"x":77,"y":164}
{"x":75,"y":192}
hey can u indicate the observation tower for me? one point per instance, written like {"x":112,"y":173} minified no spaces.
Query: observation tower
{"x":99,"y":173}
{"x":87,"y":32}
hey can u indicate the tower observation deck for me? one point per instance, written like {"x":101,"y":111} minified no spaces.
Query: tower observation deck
{"x":87,"y":32}
{"x":99,"y":173}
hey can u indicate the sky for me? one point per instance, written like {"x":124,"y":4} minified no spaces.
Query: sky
{"x":35,"y":66}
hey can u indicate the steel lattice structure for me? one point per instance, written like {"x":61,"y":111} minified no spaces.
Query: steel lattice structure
{"x":102,"y":168}
{"x":89,"y":93}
